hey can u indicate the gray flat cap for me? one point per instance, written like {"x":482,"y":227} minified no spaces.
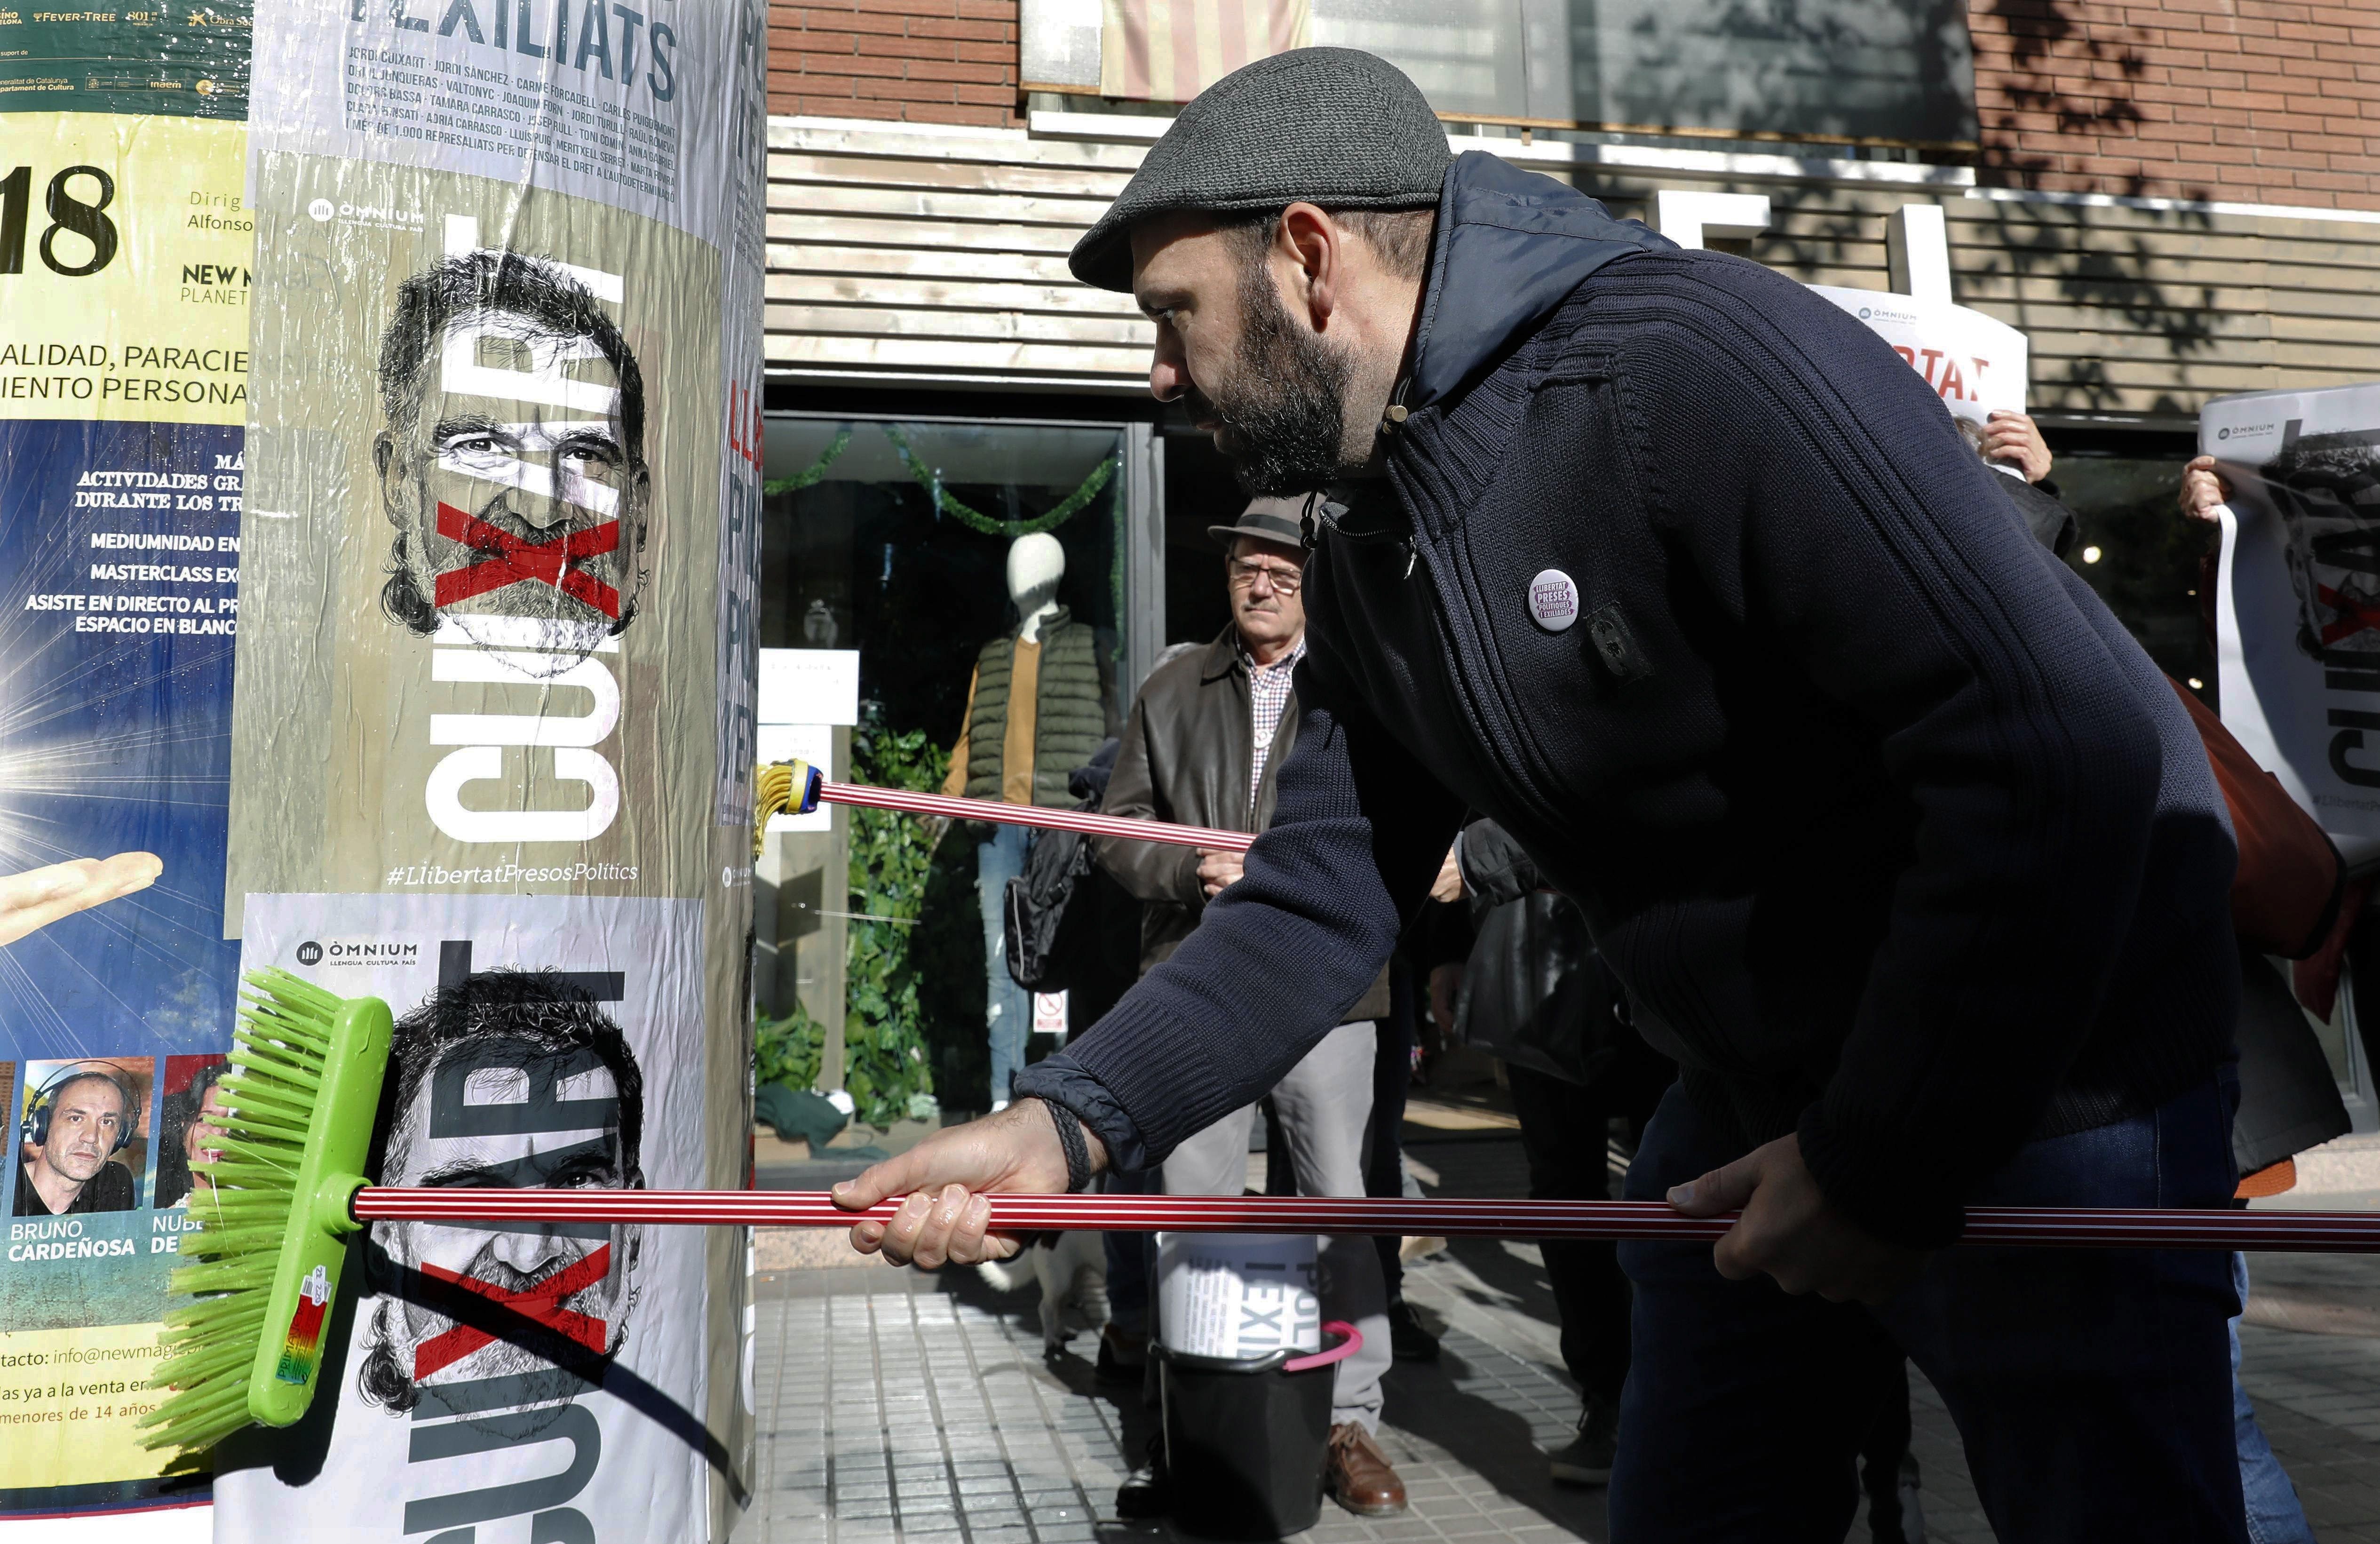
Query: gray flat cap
{"x":1335,"y":127}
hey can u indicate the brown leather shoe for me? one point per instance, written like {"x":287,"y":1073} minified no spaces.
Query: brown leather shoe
{"x":1361,"y":1478}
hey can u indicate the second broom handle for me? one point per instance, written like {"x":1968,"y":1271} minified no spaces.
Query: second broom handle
{"x":2329,"y":1231}
{"x":1033,"y":814}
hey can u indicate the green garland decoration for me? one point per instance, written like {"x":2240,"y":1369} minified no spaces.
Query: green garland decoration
{"x":1064,"y":510}
{"x":815,"y":473}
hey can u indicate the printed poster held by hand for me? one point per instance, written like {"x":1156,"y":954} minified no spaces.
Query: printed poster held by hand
{"x":1975,"y":363}
{"x":2297,"y":615}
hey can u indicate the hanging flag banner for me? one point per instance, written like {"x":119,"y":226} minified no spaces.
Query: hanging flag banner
{"x":1171,"y":50}
{"x":2297,"y":611}
{"x":125,"y":253}
{"x":498,"y":560}
{"x":1976,"y":364}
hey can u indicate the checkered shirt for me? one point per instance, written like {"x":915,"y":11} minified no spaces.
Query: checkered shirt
{"x":1268,"y":696}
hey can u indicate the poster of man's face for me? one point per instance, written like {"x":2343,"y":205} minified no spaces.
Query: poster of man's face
{"x":2326,"y":489}
{"x":82,"y":1138}
{"x":511,"y":459}
{"x":511,"y":1379}
{"x":512,"y":1079}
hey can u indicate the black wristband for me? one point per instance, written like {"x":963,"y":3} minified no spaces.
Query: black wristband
{"x":1078,"y":1152}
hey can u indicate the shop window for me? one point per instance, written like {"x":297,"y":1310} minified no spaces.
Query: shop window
{"x":894,"y":539}
{"x":2136,"y":551}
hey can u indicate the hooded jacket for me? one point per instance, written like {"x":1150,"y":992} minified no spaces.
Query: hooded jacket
{"x":1896,"y":837}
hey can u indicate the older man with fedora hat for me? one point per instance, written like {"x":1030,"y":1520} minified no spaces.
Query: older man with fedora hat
{"x":1204,"y":746}
{"x":1903,"y":850}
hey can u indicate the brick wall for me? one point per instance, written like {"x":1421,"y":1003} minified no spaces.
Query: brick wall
{"x":2258,"y":101}
{"x":922,"y":61}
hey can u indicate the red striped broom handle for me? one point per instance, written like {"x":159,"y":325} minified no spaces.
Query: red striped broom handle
{"x":1032,"y":815}
{"x":2141,"y":1228}
{"x":2165,"y":1228}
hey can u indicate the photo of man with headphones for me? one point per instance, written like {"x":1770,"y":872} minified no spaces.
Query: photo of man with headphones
{"x":78,"y":1122}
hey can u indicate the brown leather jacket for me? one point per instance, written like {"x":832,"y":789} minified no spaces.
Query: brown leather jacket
{"x":1187,"y":752}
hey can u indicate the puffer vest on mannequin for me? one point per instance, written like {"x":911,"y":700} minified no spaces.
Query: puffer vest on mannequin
{"x":1069,"y":711}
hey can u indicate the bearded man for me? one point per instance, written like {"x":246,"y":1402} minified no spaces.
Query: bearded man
{"x":1905,"y":851}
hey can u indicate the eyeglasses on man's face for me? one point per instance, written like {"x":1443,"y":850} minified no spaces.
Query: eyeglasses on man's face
{"x":1284,"y":578}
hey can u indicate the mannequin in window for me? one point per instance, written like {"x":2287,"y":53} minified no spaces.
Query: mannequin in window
{"x":1040,"y":702}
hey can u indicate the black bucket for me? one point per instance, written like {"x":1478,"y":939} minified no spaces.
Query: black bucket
{"x":1245,"y":1442}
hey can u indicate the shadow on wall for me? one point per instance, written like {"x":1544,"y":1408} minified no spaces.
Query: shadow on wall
{"x":2068,"y":87}
{"x":2129,"y":309}
{"x":2053,"y":48}
{"x":2042,"y":34}
{"x":2050,"y":259}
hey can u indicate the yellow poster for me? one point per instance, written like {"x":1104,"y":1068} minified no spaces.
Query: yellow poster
{"x":125,"y":246}
{"x":68,"y":1399}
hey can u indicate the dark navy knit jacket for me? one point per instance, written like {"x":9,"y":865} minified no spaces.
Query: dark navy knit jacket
{"x":1895,"y":835}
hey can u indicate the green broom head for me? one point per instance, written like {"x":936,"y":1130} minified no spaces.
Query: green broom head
{"x":302,"y":1093}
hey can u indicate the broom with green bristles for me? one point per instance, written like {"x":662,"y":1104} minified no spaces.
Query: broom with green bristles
{"x":304,"y":1092}
{"x":301,"y":1096}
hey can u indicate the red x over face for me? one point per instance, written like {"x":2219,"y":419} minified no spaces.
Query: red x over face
{"x":491,"y":1115}
{"x":513,"y":487}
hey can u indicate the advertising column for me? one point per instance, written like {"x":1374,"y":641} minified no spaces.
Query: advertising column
{"x":492,"y":749}
{"x":125,"y":259}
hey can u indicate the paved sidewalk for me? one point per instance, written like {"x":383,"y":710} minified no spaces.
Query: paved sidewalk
{"x":897,"y":1405}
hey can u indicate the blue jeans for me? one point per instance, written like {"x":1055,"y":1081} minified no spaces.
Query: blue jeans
{"x":2274,"y":1515}
{"x":2091,"y":1387}
{"x":1007,"y":1007}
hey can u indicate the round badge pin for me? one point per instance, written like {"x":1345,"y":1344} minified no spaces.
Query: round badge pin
{"x":1553,"y":601}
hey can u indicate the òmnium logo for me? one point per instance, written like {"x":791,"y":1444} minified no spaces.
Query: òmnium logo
{"x":359,"y":951}
{"x":378,"y":216}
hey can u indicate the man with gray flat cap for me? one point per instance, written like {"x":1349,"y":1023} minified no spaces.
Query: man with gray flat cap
{"x":1204,"y":746}
{"x":1902,"y":848}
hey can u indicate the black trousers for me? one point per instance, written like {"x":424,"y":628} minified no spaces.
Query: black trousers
{"x":1565,"y":1129}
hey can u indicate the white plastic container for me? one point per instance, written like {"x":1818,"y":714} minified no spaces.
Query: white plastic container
{"x":1237,"y":1296}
